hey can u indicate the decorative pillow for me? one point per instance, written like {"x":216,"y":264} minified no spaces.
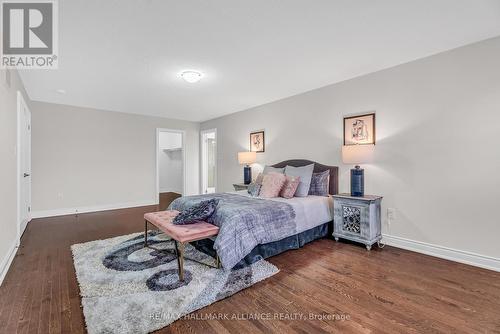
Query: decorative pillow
{"x":199,"y":212}
{"x":254,"y":189}
{"x":271,"y":185}
{"x":259,"y":178}
{"x":269,"y":169}
{"x":320,"y":183}
{"x":290,"y":186}
{"x":305,"y":174}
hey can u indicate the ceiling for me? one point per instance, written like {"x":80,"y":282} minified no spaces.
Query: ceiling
{"x":125,"y":55}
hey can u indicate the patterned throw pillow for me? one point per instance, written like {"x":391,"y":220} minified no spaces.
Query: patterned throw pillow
{"x":320,"y":183}
{"x":290,"y":186}
{"x":199,"y":212}
{"x":259,"y":178}
{"x":254,"y":189}
{"x":271,"y":185}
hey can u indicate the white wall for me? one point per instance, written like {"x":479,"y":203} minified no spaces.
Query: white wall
{"x":170,"y":140}
{"x":438,"y":143}
{"x":170,"y":162}
{"x":8,"y":166}
{"x":89,"y":159}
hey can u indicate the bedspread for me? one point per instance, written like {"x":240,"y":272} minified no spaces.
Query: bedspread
{"x":244,"y":223}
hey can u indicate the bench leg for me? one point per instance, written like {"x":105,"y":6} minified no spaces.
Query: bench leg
{"x":145,"y":233}
{"x":217,"y":261}
{"x":180,"y":259}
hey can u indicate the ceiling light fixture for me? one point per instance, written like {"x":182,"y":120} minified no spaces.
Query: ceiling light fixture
{"x":61,"y":91}
{"x":191,"y":76}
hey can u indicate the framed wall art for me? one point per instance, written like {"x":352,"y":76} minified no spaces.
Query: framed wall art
{"x":359,"y":130}
{"x":257,"y":142}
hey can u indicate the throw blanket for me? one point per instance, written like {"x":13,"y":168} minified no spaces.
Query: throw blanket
{"x":244,"y":222}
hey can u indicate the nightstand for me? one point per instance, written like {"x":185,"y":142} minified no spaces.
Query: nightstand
{"x":357,"y":218}
{"x":240,"y":186}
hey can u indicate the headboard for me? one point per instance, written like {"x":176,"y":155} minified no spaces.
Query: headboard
{"x":318,"y":168}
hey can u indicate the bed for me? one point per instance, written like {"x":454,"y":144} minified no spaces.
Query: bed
{"x":253,"y":228}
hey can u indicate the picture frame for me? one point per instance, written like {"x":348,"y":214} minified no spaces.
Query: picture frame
{"x":257,"y":141}
{"x":359,"y":129}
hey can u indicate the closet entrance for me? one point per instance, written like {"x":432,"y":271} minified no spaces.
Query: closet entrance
{"x":170,"y":158}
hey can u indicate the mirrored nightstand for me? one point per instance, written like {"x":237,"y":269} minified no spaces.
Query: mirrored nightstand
{"x":357,"y":218}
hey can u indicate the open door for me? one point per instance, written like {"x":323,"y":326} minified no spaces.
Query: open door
{"x":209,"y":161}
{"x":24,"y":164}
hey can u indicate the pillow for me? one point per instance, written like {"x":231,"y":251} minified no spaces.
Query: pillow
{"x":271,"y":185}
{"x":320,"y":183}
{"x":290,"y":186}
{"x":199,"y":212}
{"x":269,"y":169}
{"x":259,"y":178}
{"x":254,"y":189}
{"x":305,"y":174}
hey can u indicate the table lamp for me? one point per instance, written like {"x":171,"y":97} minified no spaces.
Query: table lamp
{"x":355,"y":155}
{"x":247,"y":158}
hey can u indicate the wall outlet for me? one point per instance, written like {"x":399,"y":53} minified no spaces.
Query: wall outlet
{"x":391,"y":215}
{"x":60,"y":195}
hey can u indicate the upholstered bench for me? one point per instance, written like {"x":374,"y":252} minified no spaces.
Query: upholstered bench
{"x":181,"y":234}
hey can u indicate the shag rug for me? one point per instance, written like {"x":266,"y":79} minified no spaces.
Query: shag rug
{"x":126,"y":288}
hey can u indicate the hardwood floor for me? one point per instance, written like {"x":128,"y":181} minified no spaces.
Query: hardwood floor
{"x":382,"y":291}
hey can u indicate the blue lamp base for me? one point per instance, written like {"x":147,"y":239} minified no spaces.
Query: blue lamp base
{"x":247,"y":174}
{"x":357,"y":182}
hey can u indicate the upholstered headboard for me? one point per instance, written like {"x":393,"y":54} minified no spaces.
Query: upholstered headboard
{"x":334,"y":171}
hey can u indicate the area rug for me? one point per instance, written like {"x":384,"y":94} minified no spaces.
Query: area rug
{"x":126,"y":288}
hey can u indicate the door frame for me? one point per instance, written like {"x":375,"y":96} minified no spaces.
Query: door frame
{"x":21,"y":102}
{"x":183,"y":133}
{"x":202,"y":176}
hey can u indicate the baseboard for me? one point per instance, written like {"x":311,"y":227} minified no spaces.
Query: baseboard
{"x":7,"y":261}
{"x":456,"y":255}
{"x":72,"y":211}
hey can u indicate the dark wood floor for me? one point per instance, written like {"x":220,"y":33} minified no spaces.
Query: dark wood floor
{"x":382,"y":291}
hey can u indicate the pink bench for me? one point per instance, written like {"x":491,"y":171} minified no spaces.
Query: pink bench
{"x":181,"y":234}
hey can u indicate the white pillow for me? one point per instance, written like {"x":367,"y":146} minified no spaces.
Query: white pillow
{"x":269,"y":169}
{"x":305,"y":173}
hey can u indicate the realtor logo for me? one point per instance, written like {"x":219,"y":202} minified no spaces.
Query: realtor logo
{"x":29,"y":34}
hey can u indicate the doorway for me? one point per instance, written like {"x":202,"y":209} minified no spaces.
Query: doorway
{"x":23,"y":165}
{"x":209,"y":161}
{"x":170,"y":166}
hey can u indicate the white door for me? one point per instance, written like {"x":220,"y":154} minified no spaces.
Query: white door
{"x":208,"y":161}
{"x":24,"y":159}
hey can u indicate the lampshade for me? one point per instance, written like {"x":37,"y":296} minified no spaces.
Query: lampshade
{"x":357,"y":154}
{"x":247,"y":158}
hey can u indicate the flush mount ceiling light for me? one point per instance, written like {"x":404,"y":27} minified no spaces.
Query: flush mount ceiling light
{"x":191,"y":76}
{"x":61,"y":91}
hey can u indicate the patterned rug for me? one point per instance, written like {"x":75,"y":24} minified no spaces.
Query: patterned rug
{"x":126,"y":288}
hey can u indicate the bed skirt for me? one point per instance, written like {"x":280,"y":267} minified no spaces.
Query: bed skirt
{"x":265,"y":251}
